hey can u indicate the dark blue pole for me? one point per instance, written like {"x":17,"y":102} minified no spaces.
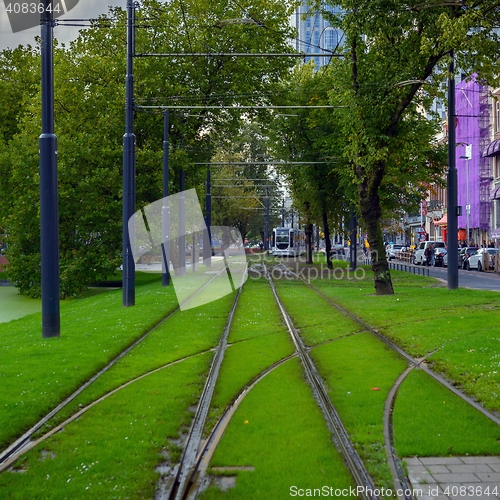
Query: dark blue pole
{"x":49,"y":217}
{"x":266,"y":224}
{"x":207,"y":244}
{"x":452,"y":184}
{"x":353,"y":246}
{"x":165,"y":276}
{"x":128,"y":276}
{"x":182,"y":225}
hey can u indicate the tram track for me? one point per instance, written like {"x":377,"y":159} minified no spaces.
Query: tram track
{"x":401,"y":481}
{"x":23,"y":443}
{"x":183,"y":479}
{"x":340,"y":435}
{"x":190,"y":473}
{"x":420,"y":363}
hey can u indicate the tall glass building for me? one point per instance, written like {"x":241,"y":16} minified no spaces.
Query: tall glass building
{"x":315,"y":35}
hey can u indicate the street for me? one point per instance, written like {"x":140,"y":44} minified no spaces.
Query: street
{"x":469,"y":279}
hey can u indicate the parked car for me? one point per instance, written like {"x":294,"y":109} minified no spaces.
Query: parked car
{"x":338,"y":249}
{"x":392,"y":251}
{"x":439,"y":255}
{"x":420,"y":251}
{"x":464,"y":255}
{"x":476,"y":261}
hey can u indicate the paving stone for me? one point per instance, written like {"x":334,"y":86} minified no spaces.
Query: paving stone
{"x":457,"y":478}
{"x":412,"y":461}
{"x":440,"y":460}
{"x":442,"y":469}
{"x":424,"y":478}
{"x":480,"y":460}
{"x":470,"y":468}
{"x":495,"y":467}
{"x":489,"y":477}
{"x":419,"y":469}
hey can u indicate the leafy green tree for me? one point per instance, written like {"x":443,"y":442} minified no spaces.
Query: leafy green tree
{"x":307,"y":136}
{"x":89,"y":121}
{"x":241,"y":187}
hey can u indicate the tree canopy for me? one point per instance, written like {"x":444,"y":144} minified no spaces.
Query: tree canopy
{"x":89,"y":121}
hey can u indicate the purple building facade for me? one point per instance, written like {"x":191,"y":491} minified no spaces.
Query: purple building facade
{"x":474,"y":174}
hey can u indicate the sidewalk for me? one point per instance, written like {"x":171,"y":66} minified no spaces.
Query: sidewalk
{"x":453,"y":478}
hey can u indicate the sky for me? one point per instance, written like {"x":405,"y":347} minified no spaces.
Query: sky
{"x":86,"y":9}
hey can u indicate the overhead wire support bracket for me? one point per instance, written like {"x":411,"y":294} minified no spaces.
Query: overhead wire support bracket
{"x":188,"y":106}
{"x":236,"y":54}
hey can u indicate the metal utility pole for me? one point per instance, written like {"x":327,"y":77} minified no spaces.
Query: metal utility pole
{"x":452,"y":184}
{"x":266,"y":228}
{"x":468,"y":156}
{"x":353,"y":246}
{"x":49,"y":214}
{"x":165,"y":210}
{"x":182,"y":225}
{"x":128,"y":265}
{"x":207,"y":244}
{"x":283,"y":213}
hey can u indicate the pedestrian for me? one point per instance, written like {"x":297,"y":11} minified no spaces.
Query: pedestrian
{"x":433,"y":255}
{"x":427,"y":254}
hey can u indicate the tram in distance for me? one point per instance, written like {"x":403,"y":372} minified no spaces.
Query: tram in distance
{"x":288,"y":242}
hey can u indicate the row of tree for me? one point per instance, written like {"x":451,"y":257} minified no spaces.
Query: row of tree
{"x":370,"y":151}
{"x":379,"y":139}
{"x":89,"y":122}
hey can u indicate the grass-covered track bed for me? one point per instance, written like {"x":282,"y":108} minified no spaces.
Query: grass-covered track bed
{"x":37,"y":374}
{"x":430,"y":420}
{"x":277,"y":440}
{"x":459,"y":329}
{"x":112,"y":451}
{"x":278,"y":437}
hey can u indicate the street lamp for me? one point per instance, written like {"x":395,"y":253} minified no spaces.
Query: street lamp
{"x":467,"y":157}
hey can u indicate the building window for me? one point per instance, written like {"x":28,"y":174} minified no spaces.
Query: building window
{"x":497,"y":114}
{"x":496,"y":167}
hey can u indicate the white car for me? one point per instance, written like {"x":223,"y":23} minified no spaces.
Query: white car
{"x":420,"y":251}
{"x":477,"y":260}
{"x":393,"y":251}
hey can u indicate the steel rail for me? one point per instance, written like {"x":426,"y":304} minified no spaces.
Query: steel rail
{"x":24,"y":440}
{"x":208,"y":449}
{"x":400,"y":351}
{"x":17,"y":446}
{"x":340,"y":435}
{"x":32,"y":444}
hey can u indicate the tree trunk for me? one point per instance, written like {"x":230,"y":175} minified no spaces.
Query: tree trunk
{"x":371,"y":213}
{"x":309,"y":243}
{"x":328,"y":243}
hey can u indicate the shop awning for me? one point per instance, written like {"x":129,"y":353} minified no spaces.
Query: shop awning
{"x":493,"y":149}
{"x":443,"y":221}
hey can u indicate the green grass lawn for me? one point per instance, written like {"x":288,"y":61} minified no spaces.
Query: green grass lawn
{"x":457,"y":328}
{"x":113,"y":449}
{"x":38,"y":373}
{"x":430,"y":420}
{"x":14,"y":306}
